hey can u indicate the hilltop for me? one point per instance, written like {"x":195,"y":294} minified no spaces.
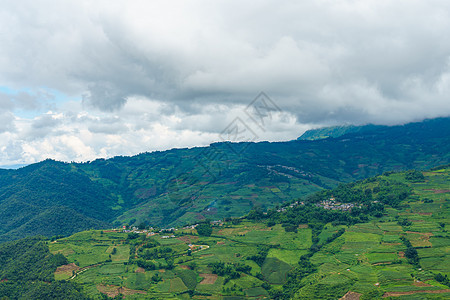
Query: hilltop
{"x":385,"y":236}
{"x":336,"y":131}
{"x":182,"y":186}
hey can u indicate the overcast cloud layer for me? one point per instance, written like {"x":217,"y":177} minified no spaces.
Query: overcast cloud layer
{"x":87,"y":79}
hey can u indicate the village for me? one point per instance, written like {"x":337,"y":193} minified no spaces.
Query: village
{"x":283,"y":209}
{"x":165,"y":233}
{"x":332,"y":204}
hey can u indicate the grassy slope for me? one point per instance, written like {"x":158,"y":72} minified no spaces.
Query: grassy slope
{"x":367,"y":258}
{"x":226,"y":179}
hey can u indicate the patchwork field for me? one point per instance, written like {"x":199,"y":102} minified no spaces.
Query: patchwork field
{"x":368,"y":261}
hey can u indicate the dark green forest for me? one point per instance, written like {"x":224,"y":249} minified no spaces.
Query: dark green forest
{"x":27,"y":272}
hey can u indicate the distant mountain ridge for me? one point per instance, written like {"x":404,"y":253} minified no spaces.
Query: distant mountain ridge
{"x":182,"y":186}
{"x":336,"y":131}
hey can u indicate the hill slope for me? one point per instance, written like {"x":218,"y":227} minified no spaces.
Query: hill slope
{"x":49,"y":198}
{"x":225,"y":179}
{"x":181,"y":186}
{"x":393,"y":242}
{"x":336,"y":131}
{"x":27,"y":272}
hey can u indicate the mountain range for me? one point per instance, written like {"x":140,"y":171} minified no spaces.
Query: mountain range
{"x":182,"y":186}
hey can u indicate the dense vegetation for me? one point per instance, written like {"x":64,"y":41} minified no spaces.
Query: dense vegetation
{"x":204,"y":229}
{"x":183,"y":186}
{"x":48,"y":198}
{"x":27,"y":272}
{"x":379,"y":237}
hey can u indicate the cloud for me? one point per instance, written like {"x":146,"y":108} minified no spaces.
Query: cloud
{"x":156,"y":75}
{"x":6,"y":122}
{"x":5,"y":102}
{"x":201,"y":52}
{"x":74,"y":134}
{"x":107,"y":126}
{"x":24,"y":100}
{"x":27,"y":101}
{"x":105,"y":97}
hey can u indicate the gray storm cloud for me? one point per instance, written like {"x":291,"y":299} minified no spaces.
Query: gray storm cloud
{"x":324,"y":62}
{"x":201,"y":52}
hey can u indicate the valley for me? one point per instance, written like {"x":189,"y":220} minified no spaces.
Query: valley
{"x":394,"y":243}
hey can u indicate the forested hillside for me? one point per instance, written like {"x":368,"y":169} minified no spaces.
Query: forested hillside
{"x":182,"y":186}
{"x":49,"y":198}
{"x":377,"y":238}
{"x":27,"y":272}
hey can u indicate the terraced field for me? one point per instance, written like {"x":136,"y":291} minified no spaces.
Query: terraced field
{"x":368,"y":259}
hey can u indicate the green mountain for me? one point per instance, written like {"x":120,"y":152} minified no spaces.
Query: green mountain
{"x":336,"y":131}
{"x":49,"y":198}
{"x":182,"y":186}
{"x":381,"y":237}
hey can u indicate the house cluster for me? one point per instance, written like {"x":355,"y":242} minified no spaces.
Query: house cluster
{"x":283,"y":209}
{"x":272,"y":171}
{"x":190,"y":226}
{"x":150,"y":231}
{"x":136,"y":230}
{"x":213,"y":223}
{"x":197,"y":247}
{"x":302,"y":173}
{"x":292,"y":169}
{"x":168,"y":231}
{"x":217,"y":223}
{"x":167,"y":236}
{"x":335,"y":205}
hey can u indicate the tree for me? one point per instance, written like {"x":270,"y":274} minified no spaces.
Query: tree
{"x":256,"y":214}
{"x":132,"y":236}
{"x":156,"y":278}
{"x":414,"y":176}
{"x":204,"y":229}
{"x":192,"y":265}
{"x":170,"y":264}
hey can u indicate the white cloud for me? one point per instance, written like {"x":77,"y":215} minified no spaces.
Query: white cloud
{"x":146,"y":75}
{"x":6,"y":122}
{"x":87,"y":135}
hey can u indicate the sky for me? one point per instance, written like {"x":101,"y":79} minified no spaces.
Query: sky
{"x":80,"y":80}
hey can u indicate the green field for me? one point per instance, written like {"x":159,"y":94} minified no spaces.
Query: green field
{"x":368,"y":258}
